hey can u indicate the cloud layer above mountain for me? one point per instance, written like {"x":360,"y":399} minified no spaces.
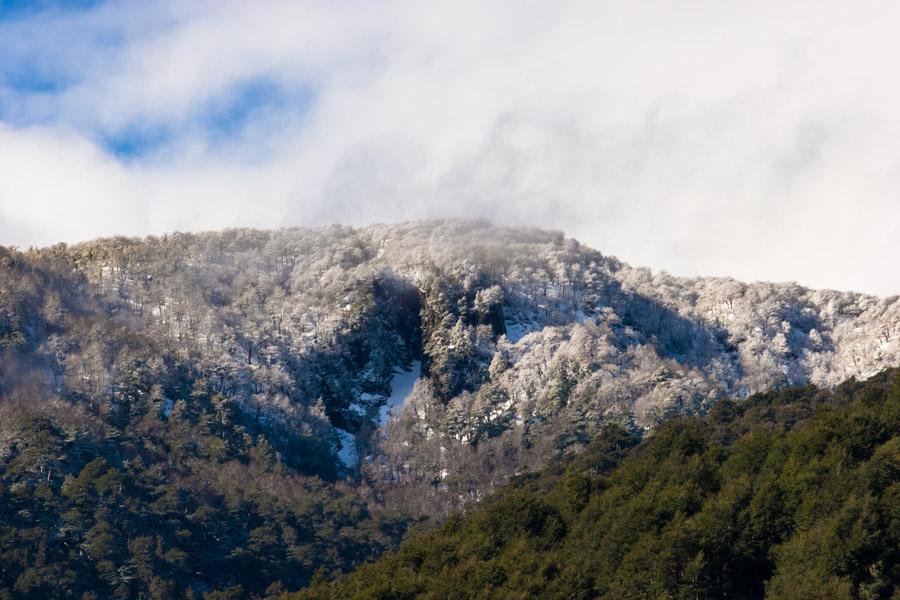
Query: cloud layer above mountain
{"x":759,"y":140}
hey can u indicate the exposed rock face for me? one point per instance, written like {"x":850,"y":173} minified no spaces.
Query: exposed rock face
{"x":527,"y":341}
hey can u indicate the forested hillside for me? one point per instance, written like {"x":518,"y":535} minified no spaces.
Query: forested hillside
{"x":125,"y":474}
{"x":793,"y":494}
{"x":524,"y":343}
{"x":190,"y":412}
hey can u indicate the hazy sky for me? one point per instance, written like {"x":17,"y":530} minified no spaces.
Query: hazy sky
{"x":754,"y":139}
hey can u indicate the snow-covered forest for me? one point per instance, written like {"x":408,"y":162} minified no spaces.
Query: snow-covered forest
{"x":514,"y":345}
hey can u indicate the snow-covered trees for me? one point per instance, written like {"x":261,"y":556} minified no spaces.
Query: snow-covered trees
{"x":523,"y":336}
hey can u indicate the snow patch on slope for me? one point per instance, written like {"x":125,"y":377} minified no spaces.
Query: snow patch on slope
{"x":401,"y":387}
{"x":516,"y":330}
{"x":347,"y":453}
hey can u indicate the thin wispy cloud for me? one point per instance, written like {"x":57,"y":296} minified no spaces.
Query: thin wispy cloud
{"x":757,"y":140}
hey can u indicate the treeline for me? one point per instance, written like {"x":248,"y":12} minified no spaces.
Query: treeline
{"x":793,"y":494}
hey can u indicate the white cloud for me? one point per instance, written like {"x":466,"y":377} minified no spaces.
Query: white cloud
{"x":752,"y":139}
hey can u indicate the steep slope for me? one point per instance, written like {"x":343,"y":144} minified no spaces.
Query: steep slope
{"x":789,"y":494}
{"x":526,"y":342}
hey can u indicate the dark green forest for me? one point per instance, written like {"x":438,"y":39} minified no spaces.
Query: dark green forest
{"x":169,"y":507}
{"x":793,"y":494}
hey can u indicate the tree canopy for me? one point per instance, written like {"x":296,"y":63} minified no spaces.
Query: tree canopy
{"x":791,"y":494}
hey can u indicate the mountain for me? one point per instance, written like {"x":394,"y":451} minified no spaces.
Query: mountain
{"x":293,"y":400}
{"x":790,"y":494}
{"x":519,"y":336}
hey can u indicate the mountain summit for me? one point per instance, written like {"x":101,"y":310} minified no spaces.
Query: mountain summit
{"x":415,"y":345}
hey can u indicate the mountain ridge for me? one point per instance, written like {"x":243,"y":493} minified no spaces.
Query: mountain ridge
{"x":263,"y":405}
{"x":520,"y":332}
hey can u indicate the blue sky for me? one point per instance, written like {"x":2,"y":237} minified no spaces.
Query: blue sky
{"x":224,"y":120}
{"x":758,"y":140}
{"x":35,"y":81}
{"x":20,"y":9}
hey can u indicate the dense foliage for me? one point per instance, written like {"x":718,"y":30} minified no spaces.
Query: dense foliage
{"x":168,"y":508}
{"x":793,"y":494}
{"x":194,"y":413}
{"x":125,"y":472}
{"x":526,"y":342}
